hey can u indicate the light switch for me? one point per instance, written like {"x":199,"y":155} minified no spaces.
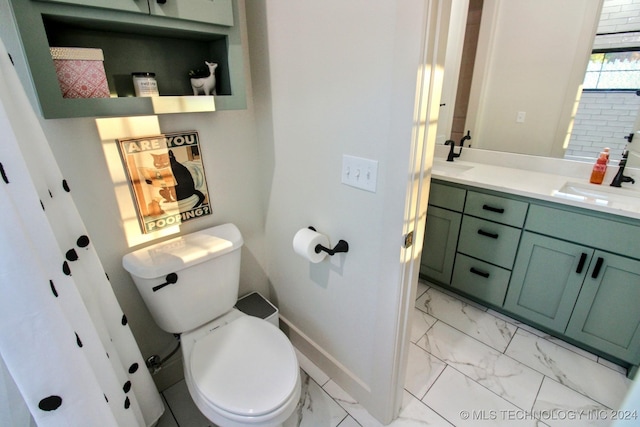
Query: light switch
{"x":359,"y":172}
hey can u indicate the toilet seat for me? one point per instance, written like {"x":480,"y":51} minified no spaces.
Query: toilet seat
{"x":246,"y":368}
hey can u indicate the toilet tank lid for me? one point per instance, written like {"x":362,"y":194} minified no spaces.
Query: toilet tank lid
{"x":181,"y":252}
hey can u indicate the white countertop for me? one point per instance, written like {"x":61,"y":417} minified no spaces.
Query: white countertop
{"x":554,"y":180}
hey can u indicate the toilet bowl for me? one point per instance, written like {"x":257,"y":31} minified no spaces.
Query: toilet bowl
{"x":241,"y":371}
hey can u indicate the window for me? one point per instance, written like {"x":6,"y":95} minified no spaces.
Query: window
{"x":613,"y":70}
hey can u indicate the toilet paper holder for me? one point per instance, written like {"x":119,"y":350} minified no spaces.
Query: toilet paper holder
{"x":341,"y":246}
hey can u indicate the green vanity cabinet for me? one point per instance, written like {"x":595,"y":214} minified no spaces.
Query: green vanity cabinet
{"x":569,"y":271}
{"x":546,"y":280}
{"x":607,"y":312}
{"x":441,"y":232}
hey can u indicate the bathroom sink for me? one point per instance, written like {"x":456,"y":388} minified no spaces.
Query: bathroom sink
{"x":602,"y":195}
{"x":442,"y":167}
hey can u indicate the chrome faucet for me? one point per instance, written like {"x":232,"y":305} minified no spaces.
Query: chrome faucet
{"x":620,"y":177}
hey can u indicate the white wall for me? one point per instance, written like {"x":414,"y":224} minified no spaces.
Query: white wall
{"x":341,"y":80}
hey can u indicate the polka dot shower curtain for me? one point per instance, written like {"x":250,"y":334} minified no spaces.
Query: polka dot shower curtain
{"x":64,"y":339}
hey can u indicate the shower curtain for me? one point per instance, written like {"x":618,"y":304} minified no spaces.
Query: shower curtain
{"x":64,"y":339}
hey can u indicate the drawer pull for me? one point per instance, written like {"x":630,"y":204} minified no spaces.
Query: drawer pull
{"x":487,"y":234}
{"x":492,"y":209}
{"x":596,"y":269}
{"x":479,"y":273}
{"x":583,"y":258}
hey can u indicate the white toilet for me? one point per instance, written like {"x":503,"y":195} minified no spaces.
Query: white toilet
{"x":240,"y":370}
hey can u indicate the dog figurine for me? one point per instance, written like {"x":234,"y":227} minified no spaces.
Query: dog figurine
{"x":202,"y":83}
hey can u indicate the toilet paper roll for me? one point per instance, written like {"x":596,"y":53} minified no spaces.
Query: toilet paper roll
{"x":305,"y":242}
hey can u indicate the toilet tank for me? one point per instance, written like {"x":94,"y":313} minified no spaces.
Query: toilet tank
{"x":205,"y":267}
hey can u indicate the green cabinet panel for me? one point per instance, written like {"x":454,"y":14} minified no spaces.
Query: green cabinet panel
{"x":546,"y":280}
{"x":486,"y":240}
{"x":447,"y":197}
{"x":218,"y":12}
{"x":607,"y":313}
{"x":496,"y":208}
{"x":612,"y":234}
{"x":440,"y":240}
{"x":571,"y":272}
{"x":140,"y":6}
{"x":484,"y":281}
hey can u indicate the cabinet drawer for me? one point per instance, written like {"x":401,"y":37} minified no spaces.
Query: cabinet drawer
{"x":484,"y":281}
{"x":447,"y":197}
{"x":607,"y":234}
{"x":488,"y":241}
{"x":495,"y":208}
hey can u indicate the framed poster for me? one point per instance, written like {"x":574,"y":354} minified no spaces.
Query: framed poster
{"x":167,"y":178}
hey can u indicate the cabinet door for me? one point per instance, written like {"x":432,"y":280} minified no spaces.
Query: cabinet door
{"x":218,"y":12}
{"x":546,"y":280}
{"x":607,"y":313}
{"x":127,"y":5}
{"x":440,"y":240}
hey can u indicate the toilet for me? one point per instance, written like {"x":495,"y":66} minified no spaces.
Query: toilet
{"x":240,"y":370}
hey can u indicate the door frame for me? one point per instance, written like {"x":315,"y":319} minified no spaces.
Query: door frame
{"x":429,"y":86}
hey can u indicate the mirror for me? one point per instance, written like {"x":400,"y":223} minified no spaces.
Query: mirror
{"x":526,"y":85}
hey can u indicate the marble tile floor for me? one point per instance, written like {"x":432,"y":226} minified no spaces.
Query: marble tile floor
{"x":468,"y":366}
